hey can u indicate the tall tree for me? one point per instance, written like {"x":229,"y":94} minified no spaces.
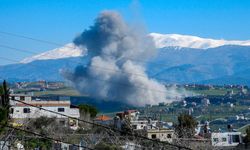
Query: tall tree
{"x":186,"y":126}
{"x":4,"y":105}
{"x":247,"y":138}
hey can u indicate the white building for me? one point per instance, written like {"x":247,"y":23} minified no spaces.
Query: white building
{"x":226,"y":139}
{"x":20,"y":112}
{"x":161,"y":134}
{"x":205,"y":102}
{"x":143,"y":124}
{"x":19,"y":97}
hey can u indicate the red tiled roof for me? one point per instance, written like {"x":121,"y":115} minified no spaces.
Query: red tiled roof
{"x":102,"y":118}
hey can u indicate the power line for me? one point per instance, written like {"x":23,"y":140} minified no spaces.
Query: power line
{"x":46,"y":137}
{"x":102,"y":126}
{"x":30,"y":38}
{"x":11,"y":60}
{"x":17,"y":49}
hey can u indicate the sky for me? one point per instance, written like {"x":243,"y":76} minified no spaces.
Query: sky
{"x":61,"y":20}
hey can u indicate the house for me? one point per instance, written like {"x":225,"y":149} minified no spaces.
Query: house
{"x":129,"y":114}
{"x":20,"y":112}
{"x":205,"y":102}
{"x":226,"y":139}
{"x":20,"y":97}
{"x":160,"y":134}
{"x":143,"y":124}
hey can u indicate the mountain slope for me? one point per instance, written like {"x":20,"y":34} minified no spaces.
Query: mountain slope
{"x":174,"y":41}
{"x":69,"y":50}
{"x":179,"y":63}
{"x":166,"y":40}
{"x":40,"y":69}
{"x":192,"y":65}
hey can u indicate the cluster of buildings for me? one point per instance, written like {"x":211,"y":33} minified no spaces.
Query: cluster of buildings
{"x":229,"y":138}
{"x":38,"y":86}
{"x":151,"y":128}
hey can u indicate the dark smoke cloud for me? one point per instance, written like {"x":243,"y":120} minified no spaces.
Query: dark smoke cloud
{"x":112,"y":72}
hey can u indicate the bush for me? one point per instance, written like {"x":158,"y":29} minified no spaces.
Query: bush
{"x":105,"y":146}
{"x":247,"y":138}
{"x":3,"y":118}
{"x":42,"y":144}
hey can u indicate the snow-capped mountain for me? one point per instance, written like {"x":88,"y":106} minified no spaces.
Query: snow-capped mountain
{"x":177,"y":40}
{"x":161,"y":40}
{"x":69,"y":50}
{"x":180,"y":59}
{"x":227,"y":64}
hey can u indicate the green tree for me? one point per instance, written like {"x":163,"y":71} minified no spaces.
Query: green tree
{"x":4,"y":105}
{"x":105,"y":146}
{"x":37,"y":142}
{"x":247,"y":138}
{"x":84,"y":108}
{"x":186,"y":126}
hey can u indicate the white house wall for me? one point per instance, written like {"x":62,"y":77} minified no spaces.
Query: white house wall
{"x":36,"y":112}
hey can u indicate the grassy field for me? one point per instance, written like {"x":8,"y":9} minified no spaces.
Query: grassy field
{"x":63,"y":91}
{"x":216,"y":91}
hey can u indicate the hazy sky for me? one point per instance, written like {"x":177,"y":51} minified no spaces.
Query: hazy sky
{"x":61,"y":20}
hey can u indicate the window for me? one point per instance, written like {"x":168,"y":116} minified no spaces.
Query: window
{"x":11,"y":110}
{"x":169,"y":136}
{"x":134,"y":126}
{"x":224,"y":139}
{"x":60,"y":109}
{"x":22,"y":98}
{"x":153,"y":136}
{"x":62,"y":122}
{"x":236,"y":138}
{"x":26,"y":110}
{"x":215,"y":139}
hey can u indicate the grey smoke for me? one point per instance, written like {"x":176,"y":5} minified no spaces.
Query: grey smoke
{"x":112,"y":73}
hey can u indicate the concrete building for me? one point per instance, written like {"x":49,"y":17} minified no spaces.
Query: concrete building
{"x":226,"y":139}
{"x":128,"y":114}
{"x":161,"y":134}
{"x":144,"y":124}
{"x":19,"y":97}
{"x":205,"y":102}
{"x":20,"y":112}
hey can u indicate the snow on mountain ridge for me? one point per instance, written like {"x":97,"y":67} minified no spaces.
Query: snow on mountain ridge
{"x":69,"y":50}
{"x":166,"y":40}
{"x":161,"y":40}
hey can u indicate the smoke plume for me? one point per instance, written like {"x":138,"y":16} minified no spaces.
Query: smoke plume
{"x":113,"y":72}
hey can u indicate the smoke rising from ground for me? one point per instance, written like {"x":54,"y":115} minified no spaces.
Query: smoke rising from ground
{"x":113,"y":74}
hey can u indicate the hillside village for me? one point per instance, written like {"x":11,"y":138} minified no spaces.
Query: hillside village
{"x":157,"y":122}
{"x":124,"y":75}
